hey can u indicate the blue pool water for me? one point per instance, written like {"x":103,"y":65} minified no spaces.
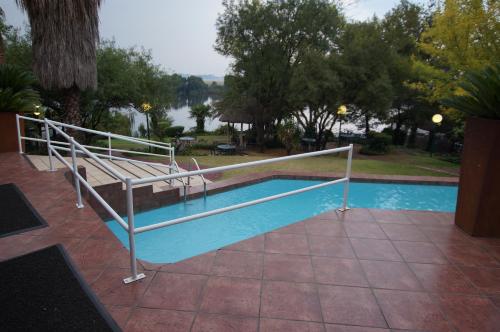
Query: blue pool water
{"x":181,"y":241}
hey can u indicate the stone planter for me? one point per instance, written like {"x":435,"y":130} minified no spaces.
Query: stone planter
{"x":8,"y":132}
{"x":478,"y":206}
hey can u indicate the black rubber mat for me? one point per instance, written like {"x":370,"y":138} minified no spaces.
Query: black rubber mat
{"x":16,"y":213}
{"x":42,"y":291}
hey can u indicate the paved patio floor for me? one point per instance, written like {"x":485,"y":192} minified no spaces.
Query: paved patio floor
{"x":366,"y":270}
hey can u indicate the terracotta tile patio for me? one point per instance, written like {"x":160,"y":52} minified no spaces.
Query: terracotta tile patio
{"x":366,"y":270}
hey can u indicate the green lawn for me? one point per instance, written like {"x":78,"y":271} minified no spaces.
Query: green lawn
{"x":403,"y":164}
{"x":398,"y":162}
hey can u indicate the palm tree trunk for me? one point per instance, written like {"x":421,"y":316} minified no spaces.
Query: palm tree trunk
{"x":72,"y":106}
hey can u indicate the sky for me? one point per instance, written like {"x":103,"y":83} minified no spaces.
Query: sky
{"x":180,"y":33}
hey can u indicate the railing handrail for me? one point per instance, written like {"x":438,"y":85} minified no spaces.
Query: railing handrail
{"x":219,"y":169}
{"x":234,"y":207}
{"x":87,"y":152}
{"x":156,"y":144}
{"x":261,"y":200}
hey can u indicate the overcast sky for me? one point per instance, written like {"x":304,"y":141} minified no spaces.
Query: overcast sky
{"x":180,"y":33}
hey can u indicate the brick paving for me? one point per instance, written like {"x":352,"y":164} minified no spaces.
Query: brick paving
{"x":365,"y":270}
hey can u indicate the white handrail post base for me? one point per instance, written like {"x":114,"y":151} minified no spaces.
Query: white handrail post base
{"x":132,"y":278}
{"x":131,"y":235}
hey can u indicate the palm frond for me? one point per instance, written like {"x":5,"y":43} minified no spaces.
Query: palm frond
{"x":16,"y":92}
{"x":481,"y":96}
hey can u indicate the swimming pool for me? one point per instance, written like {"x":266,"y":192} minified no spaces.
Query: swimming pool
{"x":181,"y":241}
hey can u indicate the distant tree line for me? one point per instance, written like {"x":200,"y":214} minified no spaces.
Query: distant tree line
{"x":301,"y":60}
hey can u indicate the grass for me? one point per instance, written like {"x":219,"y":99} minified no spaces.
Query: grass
{"x":402,"y":164}
{"x":400,"y":161}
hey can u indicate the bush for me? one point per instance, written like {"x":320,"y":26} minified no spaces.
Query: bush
{"x":174,"y":131}
{"x":377,"y":144}
{"x":16,"y":90}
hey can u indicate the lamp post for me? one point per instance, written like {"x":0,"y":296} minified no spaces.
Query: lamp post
{"x":341,"y":112}
{"x":436,"y":119}
{"x":146,"y":107}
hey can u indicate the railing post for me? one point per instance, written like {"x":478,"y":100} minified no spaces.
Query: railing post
{"x":131,"y":234}
{"x":79,"y":203}
{"x":109,"y":145}
{"x":49,"y":146}
{"x":18,"y":127}
{"x":346,"y":183}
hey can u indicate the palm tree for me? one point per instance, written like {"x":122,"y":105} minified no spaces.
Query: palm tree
{"x":16,"y":90}
{"x":65,"y":35}
{"x":200,"y":112}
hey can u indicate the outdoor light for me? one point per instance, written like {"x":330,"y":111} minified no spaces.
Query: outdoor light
{"x":341,"y":112}
{"x":37,"y":110}
{"x":437,"y":118}
{"x":146,"y":107}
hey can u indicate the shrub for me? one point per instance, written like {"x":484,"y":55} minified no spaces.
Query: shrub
{"x":16,"y":90}
{"x":174,"y":131}
{"x":377,"y":143}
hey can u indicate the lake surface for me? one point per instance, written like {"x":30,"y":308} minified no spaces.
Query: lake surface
{"x":179,"y":114}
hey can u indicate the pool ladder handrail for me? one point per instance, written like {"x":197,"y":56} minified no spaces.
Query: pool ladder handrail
{"x":202,"y":178}
{"x":181,"y":179}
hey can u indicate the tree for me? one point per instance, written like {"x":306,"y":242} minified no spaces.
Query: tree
{"x":316,"y":92}
{"x":481,"y":95}
{"x":65,"y":35}
{"x":364,"y":68}
{"x":463,"y":35}
{"x":266,"y":40}
{"x":200,"y":112}
{"x":401,"y":30}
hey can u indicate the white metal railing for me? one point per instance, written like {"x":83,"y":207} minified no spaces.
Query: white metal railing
{"x":170,"y":151}
{"x":131,"y":182}
{"x":75,"y":147}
